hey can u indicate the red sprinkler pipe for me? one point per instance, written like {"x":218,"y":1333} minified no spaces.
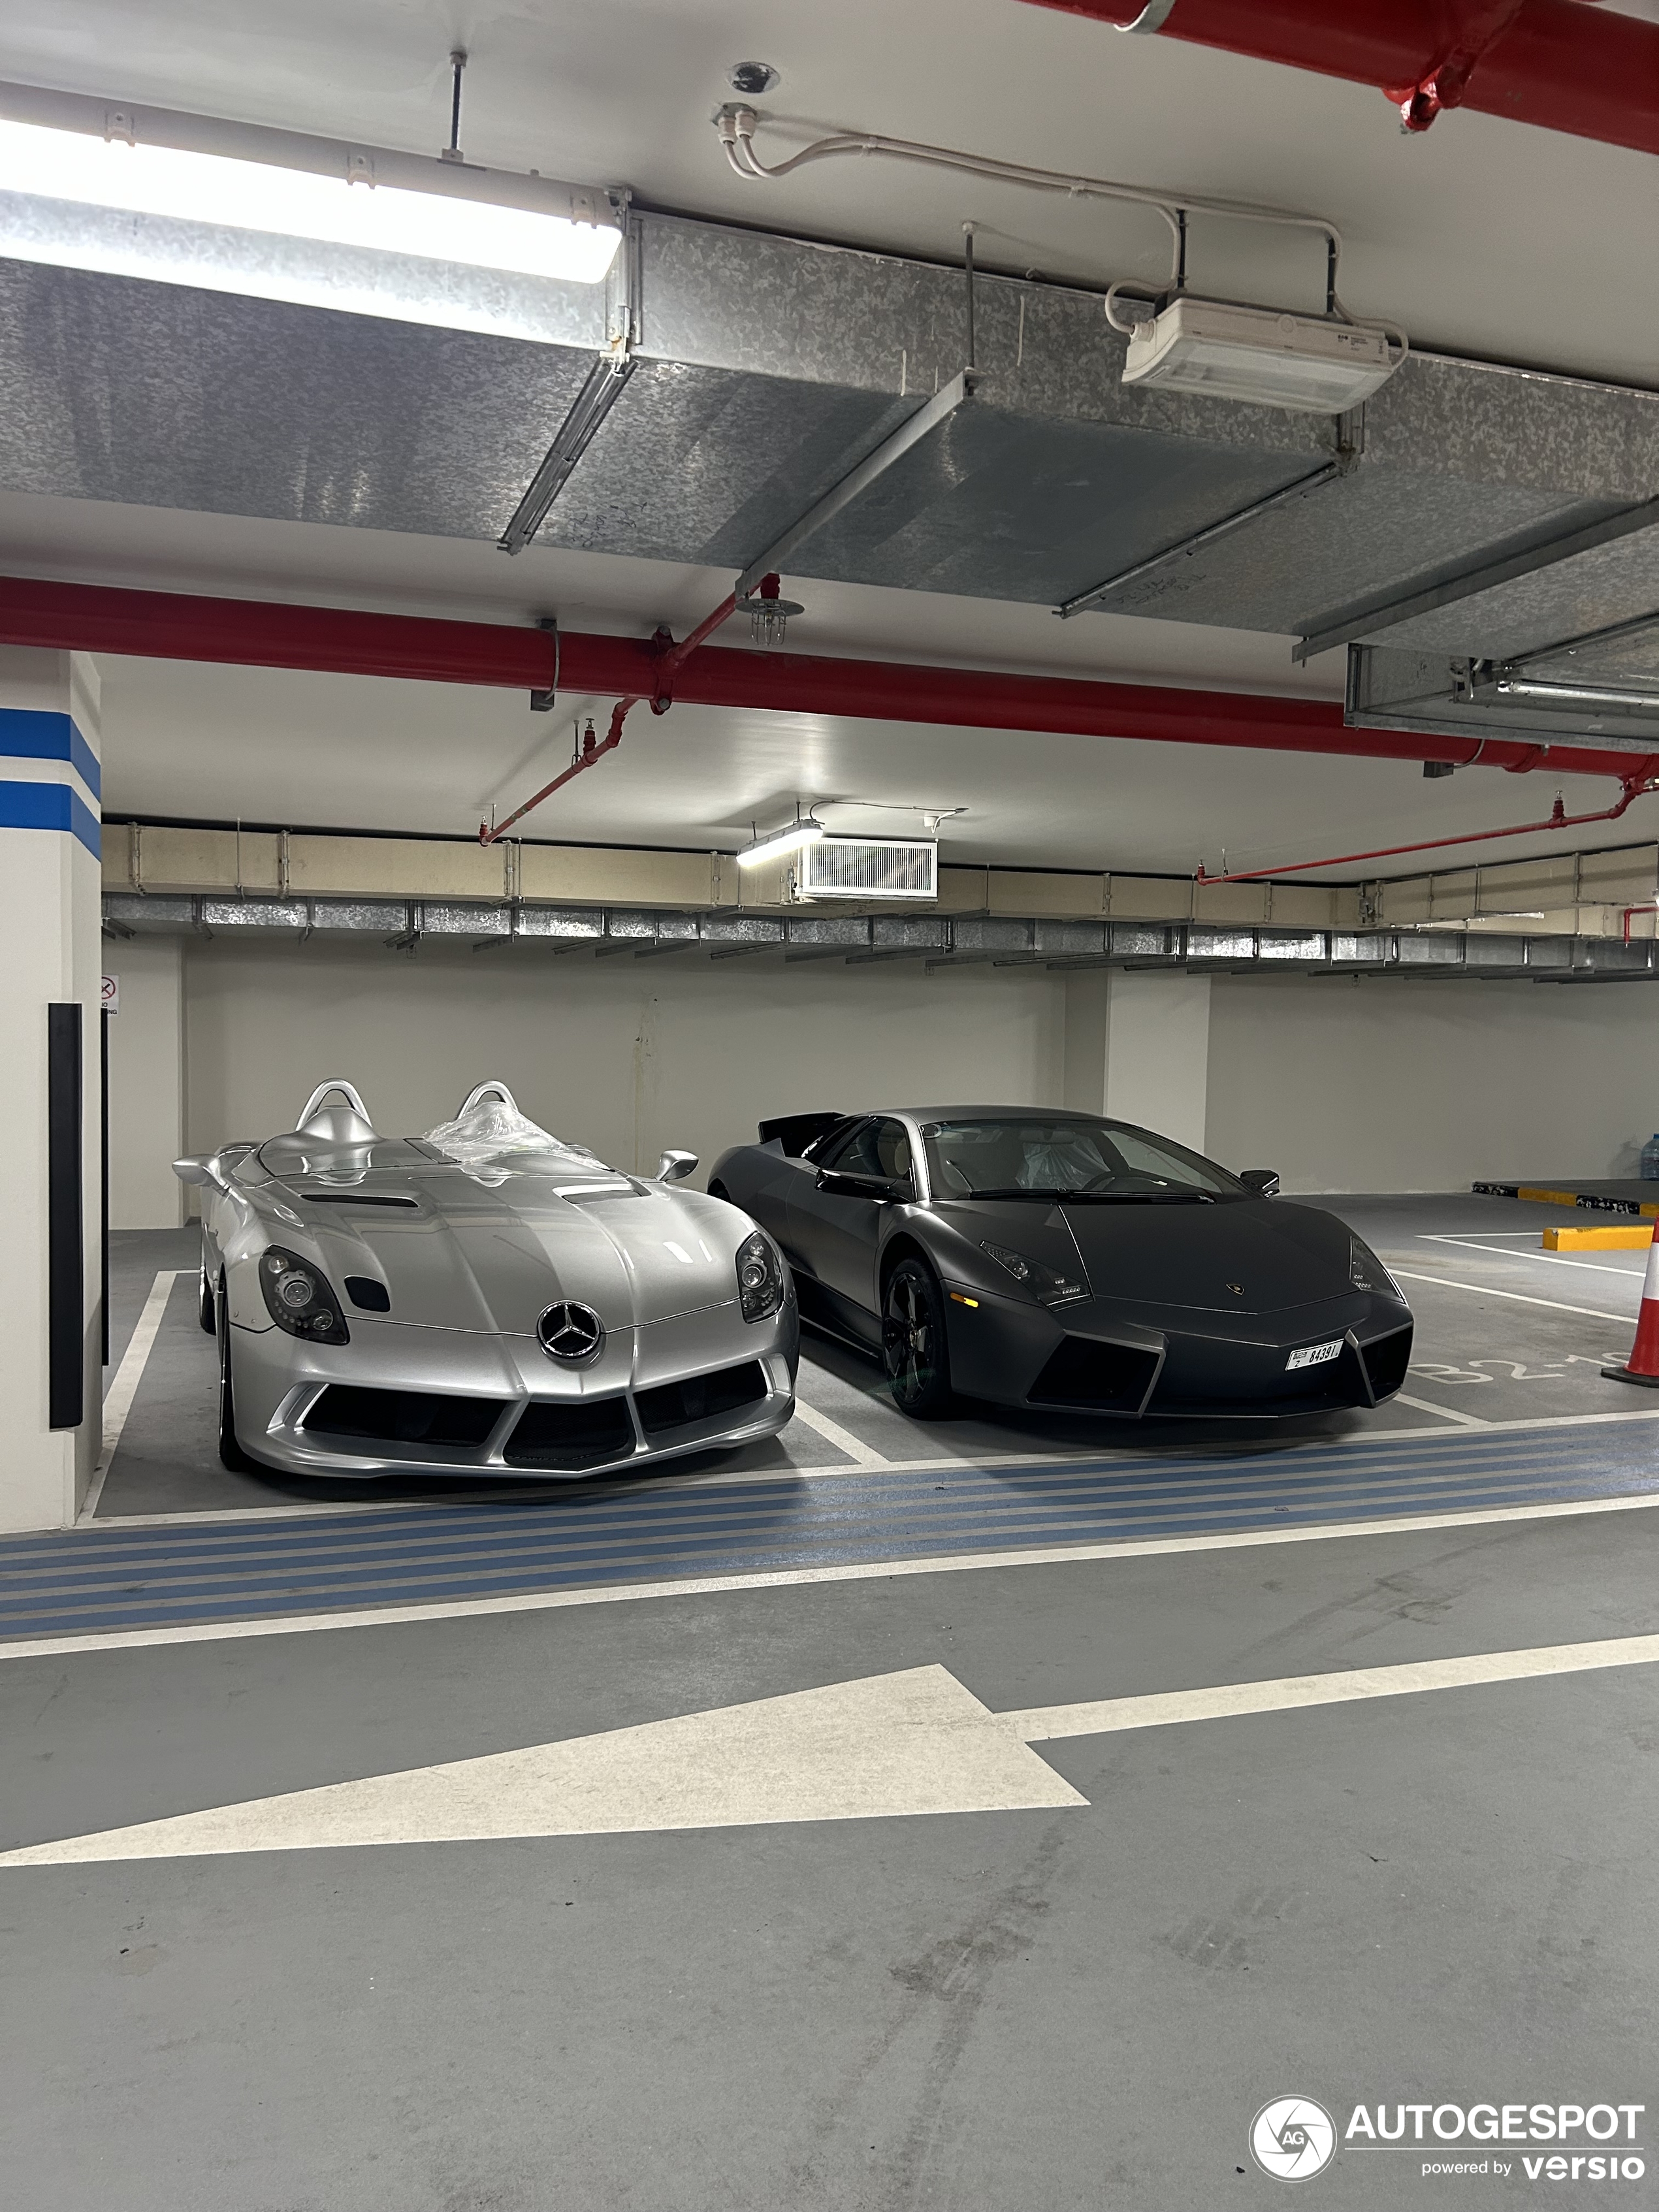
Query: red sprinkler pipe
{"x":1562,"y":65}
{"x":670,"y":661}
{"x":513,"y":657}
{"x":1634,"y":787}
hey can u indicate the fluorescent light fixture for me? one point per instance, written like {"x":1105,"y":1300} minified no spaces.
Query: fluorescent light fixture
{"x":777,"y":843}
{"x":1591,"y":696}
{"x":1299,"y":362}
{"x":262,"y":196}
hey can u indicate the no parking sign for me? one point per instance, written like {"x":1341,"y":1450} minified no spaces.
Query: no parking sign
{"x":112,"y":994}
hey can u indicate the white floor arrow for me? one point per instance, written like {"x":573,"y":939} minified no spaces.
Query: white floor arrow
{"x":894,"y":1745}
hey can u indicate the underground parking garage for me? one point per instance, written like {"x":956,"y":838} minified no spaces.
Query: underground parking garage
{"x":832,"y":853}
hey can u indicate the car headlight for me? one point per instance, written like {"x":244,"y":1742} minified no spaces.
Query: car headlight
{"x":760,"y":1277}
{"x":1367,"y":1273}
{"x":1047,"y":1288}
{"x":300,"y":1299}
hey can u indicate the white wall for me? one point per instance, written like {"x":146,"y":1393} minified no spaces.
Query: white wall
{"x":1339,"y":1085}
{"x":146,"y":1083}
{"x":626,"y":1056}
{"x":1377,"y":1084}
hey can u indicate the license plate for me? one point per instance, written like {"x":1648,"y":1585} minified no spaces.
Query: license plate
{"x":1315,"y":1355}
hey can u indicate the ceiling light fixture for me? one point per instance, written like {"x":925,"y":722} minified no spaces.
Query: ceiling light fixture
{"x":348,"y":210}
{"x":1306,"y":364}
{"x":777,"y":844}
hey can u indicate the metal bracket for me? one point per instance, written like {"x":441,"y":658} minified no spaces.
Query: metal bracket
{"x":1328,"y":472}
{"x":543,"y":702}
{"x":601,"y":389}
{"x":926,"y":420}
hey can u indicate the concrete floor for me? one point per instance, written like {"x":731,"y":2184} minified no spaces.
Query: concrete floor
{"x":1443,"y":1897}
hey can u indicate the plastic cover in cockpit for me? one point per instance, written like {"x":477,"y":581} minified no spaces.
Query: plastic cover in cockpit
{"x":493,"y":1131}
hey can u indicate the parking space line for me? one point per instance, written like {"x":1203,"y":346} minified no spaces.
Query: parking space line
{"x":118,"y":1401}
{"x":790,"y":1578}
{"x":1489,"y":1291}
{"x":1548,"y":1259}
{"x":844,"y":1439}
{"x":1446,"y":1412}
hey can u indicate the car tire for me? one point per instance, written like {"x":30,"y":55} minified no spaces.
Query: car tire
{"x":231,"y":1454}
{"x":209,"y":1321}
{"x":912,"y":1342}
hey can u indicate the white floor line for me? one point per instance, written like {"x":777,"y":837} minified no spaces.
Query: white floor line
{"x":1548,"y":1259}
{"x":844,"y":1439}
{"x":1231,"y":1700}
{"x":1489,"y":1290}
{"x":1446,"y":1412}
{"x":117,"y":1400}
{"x":221,"y":1632}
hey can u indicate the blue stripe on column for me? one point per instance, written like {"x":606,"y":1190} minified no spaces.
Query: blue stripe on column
{"x":49,"y":806}
{"x":35,"y":733}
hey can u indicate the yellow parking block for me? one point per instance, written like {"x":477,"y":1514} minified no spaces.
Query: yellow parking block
{"x":1628,"y":1239}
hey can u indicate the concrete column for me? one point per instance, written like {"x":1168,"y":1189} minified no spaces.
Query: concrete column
{"x":1138,"y":1049}
{"x":50,"y":914}
{"x":146,"y":1083}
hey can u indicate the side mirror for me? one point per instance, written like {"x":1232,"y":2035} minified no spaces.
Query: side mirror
{"x":1264,"y":1182}
{"x":674,"y":1167}
{"x":874,"y":1188}
{"x":203,"y":1174}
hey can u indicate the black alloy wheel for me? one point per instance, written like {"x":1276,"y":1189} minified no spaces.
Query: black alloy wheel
{"x":231,"y":1454}
{"x":912,"y":1343}
{"x":209,"y":1324}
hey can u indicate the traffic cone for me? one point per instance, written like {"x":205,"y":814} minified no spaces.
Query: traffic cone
{"x":1643,"y":1366}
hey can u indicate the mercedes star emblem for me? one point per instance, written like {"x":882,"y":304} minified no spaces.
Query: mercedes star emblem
{"x":570,"y":1333}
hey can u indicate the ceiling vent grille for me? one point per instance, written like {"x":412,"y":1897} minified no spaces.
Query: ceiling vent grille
{"x":870,"y":868}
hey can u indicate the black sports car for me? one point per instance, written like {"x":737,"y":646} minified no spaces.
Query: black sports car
{"x":1056,"y":1260}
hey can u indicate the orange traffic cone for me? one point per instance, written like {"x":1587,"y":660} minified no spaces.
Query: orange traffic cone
{"x":1643,"y":1366}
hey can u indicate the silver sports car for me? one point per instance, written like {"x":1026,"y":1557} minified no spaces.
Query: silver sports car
{"x":484,"y":1300}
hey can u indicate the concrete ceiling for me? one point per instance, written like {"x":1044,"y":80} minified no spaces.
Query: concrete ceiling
{"x":1482,"y":237}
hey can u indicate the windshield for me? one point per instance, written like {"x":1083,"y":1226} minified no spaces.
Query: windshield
{"x":1037,"y":1156}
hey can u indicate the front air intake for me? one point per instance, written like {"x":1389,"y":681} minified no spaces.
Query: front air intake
{"x":870,"y":868}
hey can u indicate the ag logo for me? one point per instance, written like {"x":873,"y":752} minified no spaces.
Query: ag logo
{"x":570,"y":1333}
{"x":1293,"y":2138}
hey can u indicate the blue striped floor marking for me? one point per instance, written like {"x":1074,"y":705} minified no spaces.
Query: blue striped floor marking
{"x":107,"y":1577}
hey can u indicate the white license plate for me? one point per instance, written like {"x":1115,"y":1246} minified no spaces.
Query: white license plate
{"x":1315,"y":1355}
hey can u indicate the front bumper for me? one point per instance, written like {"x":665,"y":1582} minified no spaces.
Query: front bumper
{"x":1133,"y":1361}
{"x":400,"y":1400}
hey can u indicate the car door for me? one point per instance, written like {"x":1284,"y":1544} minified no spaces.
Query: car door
{"x":834,"y":1215}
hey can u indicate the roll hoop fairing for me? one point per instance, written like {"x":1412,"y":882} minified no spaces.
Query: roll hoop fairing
{"x":1063,"y":1261}
{"x":485,"y":1300}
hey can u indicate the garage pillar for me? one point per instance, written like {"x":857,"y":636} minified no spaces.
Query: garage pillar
{"x":50,"y":1292}
{"x":1137,"y":1048}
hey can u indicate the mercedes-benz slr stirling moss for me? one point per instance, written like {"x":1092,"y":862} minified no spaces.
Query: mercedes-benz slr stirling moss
{"x":1063,"y":1261}
{"x":484,"y":1300}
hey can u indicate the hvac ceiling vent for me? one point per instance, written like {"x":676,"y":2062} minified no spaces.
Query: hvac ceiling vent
{"x":870,"y":868}
{"x":1303,"y":362}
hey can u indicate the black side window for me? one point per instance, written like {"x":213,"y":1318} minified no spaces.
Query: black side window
{"x":829,"y":1151}
{"x":879,"y":1149}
